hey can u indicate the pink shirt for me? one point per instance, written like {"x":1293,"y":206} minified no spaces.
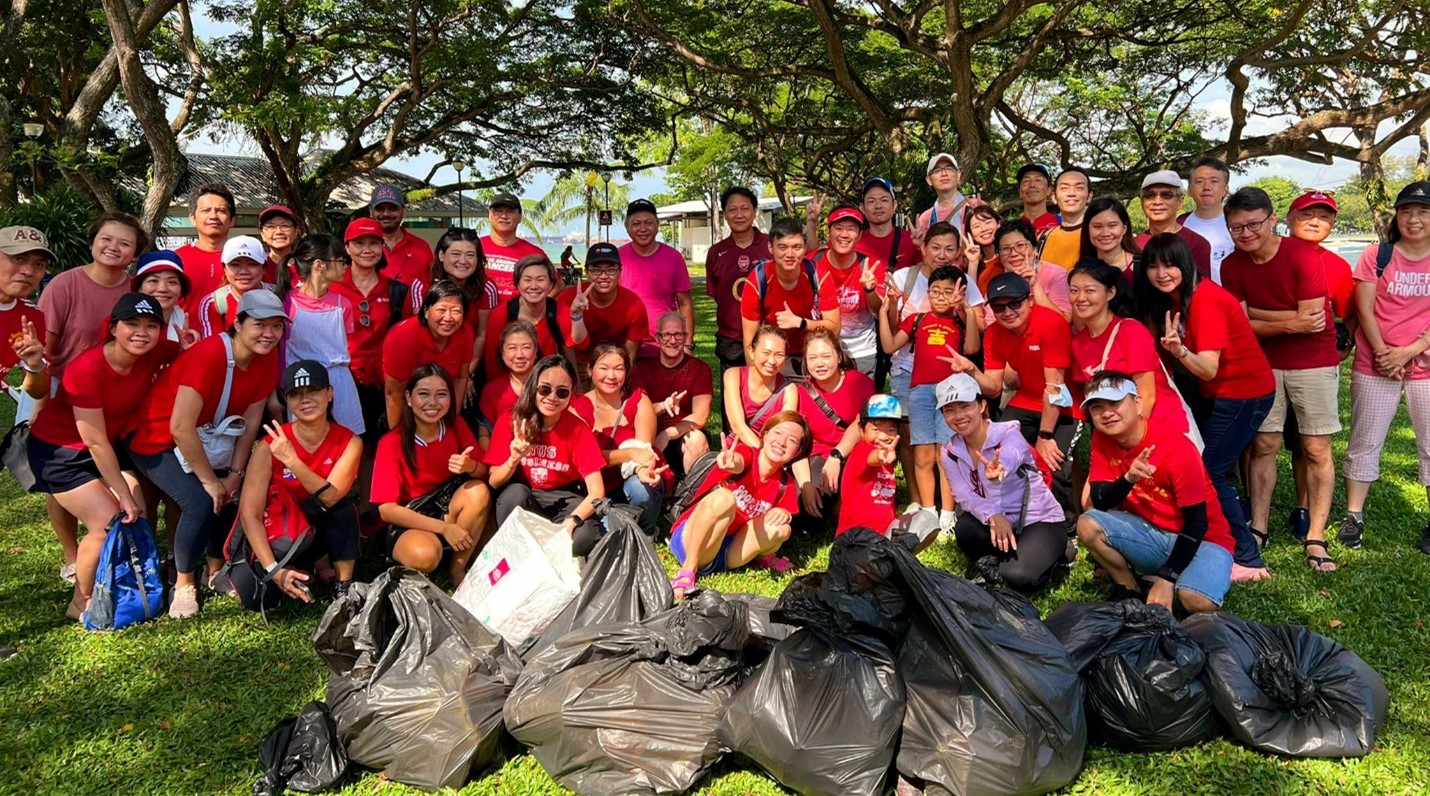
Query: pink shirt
{"x":656,"y":278}
{"x":76,"y":310}
{"x":1402,"y":308}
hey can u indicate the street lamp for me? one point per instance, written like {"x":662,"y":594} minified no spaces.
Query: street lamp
{"x":460,"y":166}
{"x":591,"y":179}
{"x":33,"y":131}
{"x":607,"y":178}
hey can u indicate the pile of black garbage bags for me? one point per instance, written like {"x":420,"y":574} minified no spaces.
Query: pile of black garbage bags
{"x":877,"y":667}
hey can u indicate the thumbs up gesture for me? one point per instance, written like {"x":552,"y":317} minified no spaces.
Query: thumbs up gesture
{"x":786,"y":319}
{"x":463,"y":462}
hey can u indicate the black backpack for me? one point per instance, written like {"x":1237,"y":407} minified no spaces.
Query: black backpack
{"x":1382,"y":258}
{"x":762,"y":282}
{"x":513,"y":309}
{"x":397,"y":294}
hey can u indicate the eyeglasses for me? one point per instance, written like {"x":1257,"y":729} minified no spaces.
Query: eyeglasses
{"x":944,"y":170}
{"x":943,"y":293}
{"x":671,"y":336}
{"x":1251,"y":226}
{"x":1008,"y":306}
{"x":1016,"y":248}
{"x":545,"y":391}
{"x":1166,"y":196}
{"x":608,"y":271}
{"x":277,"y":225}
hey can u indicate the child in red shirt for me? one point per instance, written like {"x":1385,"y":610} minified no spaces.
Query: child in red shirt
{"x":866,"y":490}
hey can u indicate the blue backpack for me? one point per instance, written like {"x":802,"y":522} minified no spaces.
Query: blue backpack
{"x":129,"y":586}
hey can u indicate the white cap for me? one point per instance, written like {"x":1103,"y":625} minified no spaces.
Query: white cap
{"x":933,"y":162}
{"x":244,"y":246}
{"x":958,"y":388}
{"x":1163,"y":177}
{"x":1111,"y":391}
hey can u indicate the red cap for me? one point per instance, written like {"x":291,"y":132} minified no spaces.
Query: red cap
{"x":276,"y":210}
{"x":361,"y":228}
{"x":1313,"y":198}
{"x":846,"y":213}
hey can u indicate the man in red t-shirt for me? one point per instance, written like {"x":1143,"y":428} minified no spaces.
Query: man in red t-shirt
{"x":613,"y":313}
{"x":882,"y":239}
{"x":858,"y":281}
{"x":1282,"y":284}
{"x":409,"y":257}
{"x":503,"y":248}
{"x":24,"y":255}
{"x":211,"y":211}
{"x":1035,"y":185}
{"x":783,"y":293}
{"x":1154,"y":510}
{"x":681,"y":387}
{"x":727,"y":269}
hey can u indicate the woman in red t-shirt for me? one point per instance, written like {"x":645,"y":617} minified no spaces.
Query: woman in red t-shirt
{"x":437,"y":335}
{"x":545,"y":460}
{"x":753,"y":392}
{"x":1207,"y":336}
{"x":302,"y":470}
{"x":73,"y":447}
{"x":380,"y":304}
{"x":517,"y":345}
{"x":169,"y":451}
{"x":426,"y":483}
{"x":830,"y":402}
{"x":459,"y":259}
{"x":534,"y":275}
{"x":742,"y":511}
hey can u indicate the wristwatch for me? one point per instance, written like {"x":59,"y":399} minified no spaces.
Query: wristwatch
{"x":837,"y":454}
{"x":1045,"y":434}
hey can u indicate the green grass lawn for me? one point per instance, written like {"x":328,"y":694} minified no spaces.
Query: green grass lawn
{"x":180,"y":707}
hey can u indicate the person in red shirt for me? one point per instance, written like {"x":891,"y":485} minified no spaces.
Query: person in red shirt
{"x":742,"y":511}
{"x":867,"y":485}
{"x":243,"y":259}
{"x":73,"y":439}
{"x":612,"y":313}
{"x":1154,"y":510}
{"x":519,"y":352}
{"x":1107,"y":236}
{"x":409,"y":258}
{"x":426,"y":483}
{"x":460,"y":260}
{"x":1036,"y":344}
{"x":305,"y":468}
{"x":681,"y":388}
{"x":557,"y":332}
{"x":437,"y":335}
{"x":1035,"y":186}
{"x":753,"y":392}
{"x":727,"y":270}
{"x":858,"y":282}
{"x":211,"y":211}
{"x":882,"y":239}
{"x":1282,"y":283}
{"x":1161,"y":201}
{"x":24,"y":255}
{"x":791,"y":299}
{"x":504,"y":248}
{"x":161,"y":274}
{"x":980,"y":245}
{"x":278,"y":227}
{"x":1208,"y":337}
{"x":830,"y":402}
{"x":380,"y":304}
{"x":544,"y":459}
{"x":189,"y":395}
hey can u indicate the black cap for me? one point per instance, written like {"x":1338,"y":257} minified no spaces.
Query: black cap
{"x":1032,"y":167}
{"x":136,"y":305}
{"x":603,"y":253}
{"x":640,"y":206}
{"x":505,"y":200}
{"x":305,"y":373}
{"x":1008,"y":285}
{"x":1416,"y":193}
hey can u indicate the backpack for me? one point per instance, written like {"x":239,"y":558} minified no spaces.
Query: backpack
{"x":1382,"y":258}
{"x":129,"y":586}
{"x":397,"y":294}
{"x":762,"y":282}
{"x":289,"y":533}
{"x":513,"y":309}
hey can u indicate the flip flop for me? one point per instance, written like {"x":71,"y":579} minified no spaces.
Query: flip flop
{"x":776,"y":564}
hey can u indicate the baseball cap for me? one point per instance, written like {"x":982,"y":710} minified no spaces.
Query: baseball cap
{"x":362,"y":228}
{"x":1035,"y":167}
{"x":1163,"y":177}
{"x":883,"y":407}
{"x":876,"y":182}
{"x":136,"y":305}
{"x":640,"y":206}
{"x":276,"y":210}
{"x":505,"y":199}
{"x":846,"y":213}
{"x":387,"y":195}
{"x":936,"y":159}
{"x":1313,"y":198}
{"x":262,"y":304}
{"x":958,"y":388}
{"x":305,"y":373}
{"x":20,"y":239}
{"x":603,"y":253}
{"x":1111,"y":391}
{"x":1416,"y":193}
{"x":157,"y":262}
{"x":1008,"y":285}
{"x":244,"y":246}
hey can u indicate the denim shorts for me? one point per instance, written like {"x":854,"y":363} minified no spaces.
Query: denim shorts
{"x":1146,"y":549}
{"x":926,"y":424}
{"x":899,"y":388}
{"x":677,"y":549}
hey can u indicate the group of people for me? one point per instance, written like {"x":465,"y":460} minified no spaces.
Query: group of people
{"x":371,"y":385}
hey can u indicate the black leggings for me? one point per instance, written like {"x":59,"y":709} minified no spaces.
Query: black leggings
{"x":1065,"y":434}
{"x":555,"y":505}
{"x":1041,"y":547}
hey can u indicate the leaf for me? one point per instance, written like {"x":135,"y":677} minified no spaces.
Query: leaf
{"x":128,"y":727}
{"x":1335,"y":623}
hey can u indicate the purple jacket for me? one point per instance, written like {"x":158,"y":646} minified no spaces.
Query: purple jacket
{"x":975,"y":494}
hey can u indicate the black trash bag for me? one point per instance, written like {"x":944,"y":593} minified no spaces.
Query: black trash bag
{"x":1142,"y":675}
{"x":1286,"y":690}
{"x":633,"y":708}
{"x":763,"y":626}
{"x":416,"y":684}
{"x":623,"y":581}
{"x":994,"y":705}
{"x":302,"y":753}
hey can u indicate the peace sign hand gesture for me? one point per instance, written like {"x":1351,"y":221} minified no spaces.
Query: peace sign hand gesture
{"x":993,"y":469}
{"x":958,"y":362}
{"x":1142,"y":466}
{"x":867,"y":278}
{"x":649,"y":475}
{"x":30,"y":348}
{"x":671,"y":405}
{"x":726,"y":458}
{"x":814,"y":208}
{"x":1171,"y":336}
{"x":279,"y":445}
{"x":581,"y":303}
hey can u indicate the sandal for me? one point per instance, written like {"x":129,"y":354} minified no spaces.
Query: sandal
{"x":1262,"y":538}
{"x":682,"y":584}
{"x":1318,"y":563}
{"x":773,"y":563}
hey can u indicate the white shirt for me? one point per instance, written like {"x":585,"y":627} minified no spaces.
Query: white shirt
{"x":1214,"y":230}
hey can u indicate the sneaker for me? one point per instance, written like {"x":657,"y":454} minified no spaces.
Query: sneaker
{"x":1352,"y":531}
{"x":1425,"y":541}
{"x":67,"y":574}
{"x":184,"y":602}
{"x":1299,"y":522}
{"x":218,"y":584}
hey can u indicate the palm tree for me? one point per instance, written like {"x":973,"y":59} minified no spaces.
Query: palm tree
{"x":570,"y":201}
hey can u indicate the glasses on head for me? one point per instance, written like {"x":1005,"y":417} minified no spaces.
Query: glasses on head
{"x":1166,"y":196}
{"x":545,"y":391}
{"x":671,"y":336}
{"x":1250,"y":226}
{"x":1021,"y":246}
{"x":1006,"y":307}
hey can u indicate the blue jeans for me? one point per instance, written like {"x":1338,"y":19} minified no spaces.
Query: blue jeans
{"x":1146,"y":548}
{"x":646,"y":498}
{"x":1228,"y":427}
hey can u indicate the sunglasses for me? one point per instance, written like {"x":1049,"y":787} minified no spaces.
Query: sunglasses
{"x":1007,"y":307}
{"x":1165,"y":196}
{"x":545,"y":391}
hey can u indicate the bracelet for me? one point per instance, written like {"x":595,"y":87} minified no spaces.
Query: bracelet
{"x":578,"y":318}
{"x":325,"y":487}
{"x":1186,"y":352}
{"x":44,"y":366}
{"x":272,"y":568}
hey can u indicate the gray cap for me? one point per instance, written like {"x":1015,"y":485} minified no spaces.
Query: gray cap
{"x":262,"y":304}
{"x":1163,"y":177}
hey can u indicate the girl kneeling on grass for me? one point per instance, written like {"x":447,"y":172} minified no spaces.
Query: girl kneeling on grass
{"x":743,"y":509}
{"x":433,"y":515}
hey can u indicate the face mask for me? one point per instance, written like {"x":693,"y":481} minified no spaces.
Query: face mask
{"x":1063,"y":398}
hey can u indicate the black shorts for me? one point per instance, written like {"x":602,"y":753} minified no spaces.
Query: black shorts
{"x":434,"y":504}
{"x":60,"y":469}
